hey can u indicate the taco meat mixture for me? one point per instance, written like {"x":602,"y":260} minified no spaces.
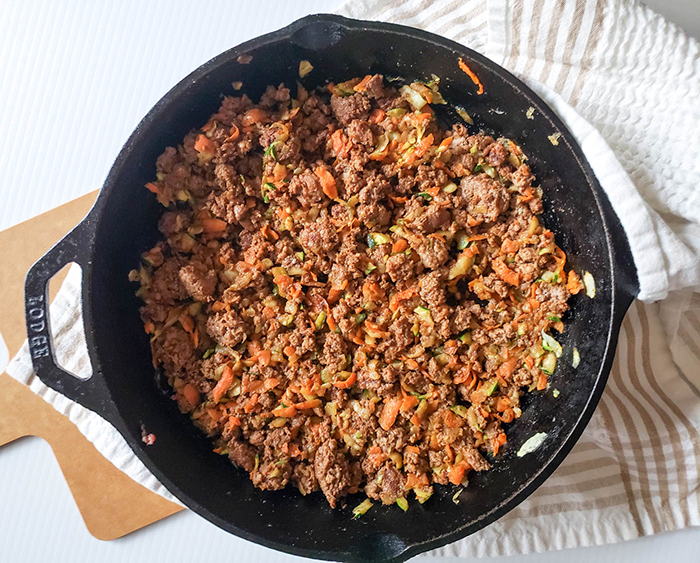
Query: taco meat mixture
{"x":347,"y":297}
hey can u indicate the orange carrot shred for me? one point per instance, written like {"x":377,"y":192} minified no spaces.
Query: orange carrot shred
{"x":327,"y":182}
{"x":223,"y":384}
{"x":389,"y":412}
{"x":362,"y":86}
{"x":475,"y":79}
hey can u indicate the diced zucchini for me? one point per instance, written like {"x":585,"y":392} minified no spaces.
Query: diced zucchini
{"x":320,"y":320}
{"x":402,"y":503}
{"x":549,"y":343}
{"x":361,"y":508}
{"x":490,"y":387}
{"x":549,"y":363}
{"x":396,"y":112}
{"x":576,"y":358}
{"x":459,"y":410}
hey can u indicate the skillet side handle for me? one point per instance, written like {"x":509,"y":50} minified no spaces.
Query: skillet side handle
{"x":74,"y":247}
{"x":625,"y":271}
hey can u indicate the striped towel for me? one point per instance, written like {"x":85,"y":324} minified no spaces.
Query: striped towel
{"x":634,"y":471}
{"x":635,"y":78}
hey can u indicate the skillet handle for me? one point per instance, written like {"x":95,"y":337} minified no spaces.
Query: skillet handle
{"x":625,"y":272}
{"x":74,"y":247}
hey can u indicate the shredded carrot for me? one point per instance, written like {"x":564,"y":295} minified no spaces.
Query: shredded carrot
{"x":413,"y":450}
{"x":534,"y":304}
{"x":308,"y":404}
{"x":149,"y":327}
{"x":233,"y":421}
{"x":509,"y":246}
{"x":204,"y":144}
{"x":420,"y":149}
{"x":398,"y":199}
{"x":502,"y":404}
{"x":415,"y":420}
{"x":250,"y":404}
{"x":374,"y":450}
{"x":389,"y":412}
{"x":285,"y":412}
{"x":233,"y":134}
{"x":294,"y":450}
{"x":401,"y":296}
{"x":339,"y":143}
{"x":289,"y":351}
{"x":451,"y":421}
{"x":191,"y":393}
{"x":446,"y":142}
{"x":456,"y":474}
{"x":434,"y":191}
{"x":529,"y":361}
{"x":349,"y":382}
{"x":186,"y":322}
{"x":153,"y":188}
{"x":327,"y":182}
{"x":507,"y":416}
{"x":218,"y":306}
{"x":252,"y":116}
{"x":408,"y":403}
{"x":497,"y":442}
{"x":475,"y":79}
{"x":264,"y":357}
{"x":377,"y":115}
{"x":213,"y":225}
{"x":223,"y":384}
{"x":505,"y":273}
{"x":331,"y":322}
{"x":542,"y":382}
{"x":416,"y":480}
{"x":362,"y":86}
{"x":399,"y":246}
{"x":507,"y":367}
{"x":573,"y":283}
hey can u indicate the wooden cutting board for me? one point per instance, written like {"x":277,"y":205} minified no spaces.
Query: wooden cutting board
{"x":111,"y":504}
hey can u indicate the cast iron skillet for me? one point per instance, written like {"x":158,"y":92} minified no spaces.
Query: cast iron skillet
{"x":122,"y":225}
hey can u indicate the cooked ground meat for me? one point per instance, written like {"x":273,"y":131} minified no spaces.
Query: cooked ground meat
{"x":347,"y":297}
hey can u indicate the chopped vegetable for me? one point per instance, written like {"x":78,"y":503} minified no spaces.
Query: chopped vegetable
{"x":475,"y":79}
{"x":531,"y":444}
{"x":549,"y":343}
{"x":208,"y":354}
{"x":530,"y":113}
{"x":576,"y":358}
{"x":464,"y":115}
{"x":589,"y":284}
{"x":555,"y":393}
{"x":327,"y":182}
{"x":402,"y":503}
{"x":362,"y":508}
{"x":549,"y":363}
{"x":554,"y":138}
{"x":455,"y":497}
{"x":305,"y":67}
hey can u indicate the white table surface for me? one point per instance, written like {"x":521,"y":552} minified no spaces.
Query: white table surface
{"x":75,"y":78}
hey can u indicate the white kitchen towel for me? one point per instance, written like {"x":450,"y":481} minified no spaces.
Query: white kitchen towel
{"x":635,"y":78}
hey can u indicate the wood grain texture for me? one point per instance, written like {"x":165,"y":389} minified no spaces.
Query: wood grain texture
{"x":110,"y":502}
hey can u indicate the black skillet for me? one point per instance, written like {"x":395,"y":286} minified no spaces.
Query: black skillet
{"x":122,"y":225}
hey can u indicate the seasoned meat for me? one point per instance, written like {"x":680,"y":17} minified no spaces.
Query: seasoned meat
{"x":339,"y":304}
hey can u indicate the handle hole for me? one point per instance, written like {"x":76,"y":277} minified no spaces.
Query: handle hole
{"x":66,"y":321}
